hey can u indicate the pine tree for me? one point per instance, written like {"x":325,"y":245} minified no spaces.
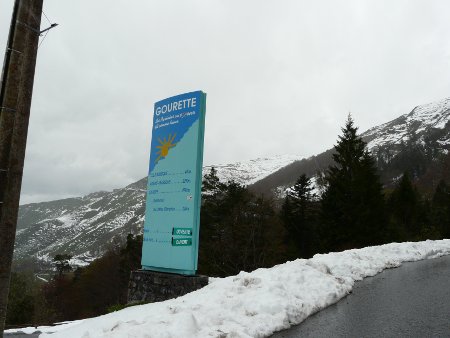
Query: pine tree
{"x":230,"y":229}
{"x":298,"y":216}
{"x":301,"y":194}
{"x":404,"y":205}
{"x":62,"y":263}
{"x":21,"y":304}
{"x":353,"y":202}
{"x":239,"y":231}
{"x":211,"y":184}
{"x":210,"y":215}
{"x":441,"y":209}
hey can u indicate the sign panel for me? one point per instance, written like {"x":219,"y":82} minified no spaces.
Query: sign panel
{"x":172,"y":215}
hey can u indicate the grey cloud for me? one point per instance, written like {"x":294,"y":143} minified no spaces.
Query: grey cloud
{"x":281,"y":77}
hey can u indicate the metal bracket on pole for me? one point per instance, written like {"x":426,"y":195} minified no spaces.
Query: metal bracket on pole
{"x":37,"y":31}
{"x":53,"y":25}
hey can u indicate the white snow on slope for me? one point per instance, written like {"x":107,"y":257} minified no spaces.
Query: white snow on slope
{"x":249,"y":172}
{"x":258,"y":303}
{"x":85,"y":225}
{"x":431,"y":115}
{"x":46,"y":329}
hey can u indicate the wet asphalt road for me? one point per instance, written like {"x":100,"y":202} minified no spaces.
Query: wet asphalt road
{"x":21,"y":335}
{"x":410,"y":301}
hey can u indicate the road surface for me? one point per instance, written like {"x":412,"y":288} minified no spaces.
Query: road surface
{"x":21,"y":335}
{"x":410,"y":301}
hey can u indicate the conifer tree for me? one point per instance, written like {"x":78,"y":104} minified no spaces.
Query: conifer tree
{"x":298,"y":216}
{"x":239,"y":231}
{"x":212,"y":193}
{"x":353,"y":202}
{"x":301,"y":194}
{"x":404,"y":205}
{"x":62,"y":263}
{"x":441,"y":209}
{"x":21,"y":305}
{"x":211,"y":184}
{"x":210,"y":215}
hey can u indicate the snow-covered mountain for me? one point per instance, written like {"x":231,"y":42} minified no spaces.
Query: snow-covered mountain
{"x":86,"y":226}
{"x":426,"y":125}
{"x":83,"y":226}
{"x":421,"y":123}
{"x":249,"y":172}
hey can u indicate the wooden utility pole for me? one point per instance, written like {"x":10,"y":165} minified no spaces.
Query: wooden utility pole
{"x":15,"y":101}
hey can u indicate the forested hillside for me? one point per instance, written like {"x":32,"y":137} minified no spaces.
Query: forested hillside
{"x":417,"y":142}
{"x":241,"y":230}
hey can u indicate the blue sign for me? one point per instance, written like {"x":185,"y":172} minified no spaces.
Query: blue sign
{"x":172,"y":215}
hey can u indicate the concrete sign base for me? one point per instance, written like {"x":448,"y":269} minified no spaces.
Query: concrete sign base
{"x":151,"y":286}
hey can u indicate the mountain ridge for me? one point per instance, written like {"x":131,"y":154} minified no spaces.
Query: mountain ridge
{"x":426,"y":124}
{"x":86,"y":226}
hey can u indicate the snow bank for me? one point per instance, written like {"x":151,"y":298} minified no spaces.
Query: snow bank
{"x":259,"y":303}
{"x":47,"y":329}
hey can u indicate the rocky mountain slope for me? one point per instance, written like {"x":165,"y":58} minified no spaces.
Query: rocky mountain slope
{"x":83,"y":227}
{"x":422,"y":123}
{"x":249,"y":172}
{"x":425,"y":130}
{"x":86,"y":226}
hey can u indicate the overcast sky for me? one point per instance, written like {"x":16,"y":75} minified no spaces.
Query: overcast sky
{"x":281,"y":77}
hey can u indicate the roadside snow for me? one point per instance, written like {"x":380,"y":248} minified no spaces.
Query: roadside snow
{"x":258,"y":303}
{"x":47,"y":329}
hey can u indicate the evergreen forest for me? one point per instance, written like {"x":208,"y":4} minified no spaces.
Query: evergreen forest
{"x":244,"y":230}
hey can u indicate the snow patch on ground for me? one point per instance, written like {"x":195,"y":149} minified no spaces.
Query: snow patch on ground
{"x":258,"y":303}
{"x":66,"y":220}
